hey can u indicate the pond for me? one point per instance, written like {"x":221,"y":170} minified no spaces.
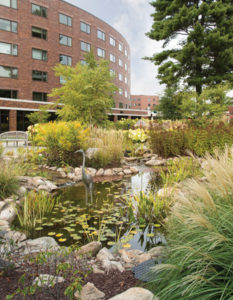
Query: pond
{"x":107,"y":219}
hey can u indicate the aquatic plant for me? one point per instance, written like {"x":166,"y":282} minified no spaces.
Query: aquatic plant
{"x":8,"y":181}
{"x":200,"y":237}
{"x":1,"y":149}
{"x":36,"y":206}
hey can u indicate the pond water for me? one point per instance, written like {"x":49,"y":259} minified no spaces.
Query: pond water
{"x":106,"y":219}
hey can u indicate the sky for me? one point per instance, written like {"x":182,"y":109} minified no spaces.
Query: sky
{"x":132,"y":19}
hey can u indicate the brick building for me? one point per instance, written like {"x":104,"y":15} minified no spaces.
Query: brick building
{"x":144,"y":102}
{"x":35,"y":35}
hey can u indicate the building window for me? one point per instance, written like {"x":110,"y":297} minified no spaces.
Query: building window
{"x":101,"y":35}
{"x":126,"y":67}
{"x":65,"y":60}
{"x":8,"y":72}
{"x":100,"y":52}
{"x":22,"y":120}
{"x":66,"y":20}
{"x":126,"y":52}
{"x":8,"y":25}
{"x":126,"y":80}
{"x":126,"y":94}
{"x":85,"y":46}
{"x":112,"y":58}
{"x":65,"y":40}
{"x":39,"y":33}
{"x":39,"y":76}
{"x":9,"y":3}
{"x":38,"y":96}
{"x":4,"y":120}
{"x":120,"y":91}
{"x":112,"y":72}
{"x":62,"y":80}
{"x":120,"y":105}
{"x":120,"y":63}
{"x":112,"y":41}
{"x":39,"y":10}
{"x":120,"y":47}
{"x":83,"y":62}
{"x":8,"y":94}
{"x":39,"y":54}
{"x":10,"y":49}
{"x":120,"y":77}
{"x":126,"y":105}
{"x":85,"y":27}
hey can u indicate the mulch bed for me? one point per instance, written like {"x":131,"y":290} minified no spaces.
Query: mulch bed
{"x":111,"y":284}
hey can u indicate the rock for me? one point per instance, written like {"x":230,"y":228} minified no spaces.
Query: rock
{"x":96,"y":270}
{"x":21,"y":191}
{"x":78,"y":171}
{"x":156,"y":251}
{"x":53,"y":168}
{"x":37,"y":181}
{"x":60,"y":170}
{"x":134,"y":170}
{"x":123,"y":162}
{"x":150,"y":155}
{"x":43,"y":187}
{"x":104,"y":254}
{"x":121,"y":174}
{"x":2,"y":204}
{"x":8,"y":213}
{"x":141,"y":258}
{"x":89,"y":292}
{"x":71,"y":175}
{"x":124,"y":256}
{"x":100,"y":172}
{"x":91,"y":249}
{"x":155,"y":162}
{"x":63,"y":174}
{"x":166,"y":192}
{"x":9,"y":200}
{"x":4,"y":223}
{"x":40,"y":244}
{"x":91,"y":171}
{"x":130,"y":159}
{"x":15,"y":236}
{"x":108,"y":172}
{"x":77,"y":178}
{"x":127,"y":172}
{"x":51,"y":186}
{"x":117,"y":170}
{"x":135,"y":293}
{"x":112,"y":265}
{"x":133,"y":253}
{"x":47,"y":280}
{"x":142,"y":150}
{"x":90,"y":152}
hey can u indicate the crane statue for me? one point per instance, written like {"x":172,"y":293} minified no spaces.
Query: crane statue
{"x":86,"y":178}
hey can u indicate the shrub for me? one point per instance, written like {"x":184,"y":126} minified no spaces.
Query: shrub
{"x":110,"y":144}
{"x":200,"y":237}
{"x":61,"y":139}
{"x":199,"y":140}
{"x":8,"y":181}
{"x":125,"y":124}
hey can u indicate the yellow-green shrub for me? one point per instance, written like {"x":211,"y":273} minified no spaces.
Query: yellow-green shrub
{"x":61,"y":139}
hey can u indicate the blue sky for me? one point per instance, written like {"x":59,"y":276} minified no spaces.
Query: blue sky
{"x":132,"y":19}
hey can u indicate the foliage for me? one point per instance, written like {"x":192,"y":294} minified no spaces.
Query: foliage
{"x":138,"y":135}
{"x":41,"y":116}
{"x":110,"y":146}
{"x":179,"y":169}
{"x":87,"y":93}
{"x":200,"y":239}
{"x":35,"y":207}
{"x":125,"y":124}
{"x":61,"y":140}
{"x":203,"y":54}
{"x":8,"y":181}
{"x":1,"y":149}
{"x":190,"y":137}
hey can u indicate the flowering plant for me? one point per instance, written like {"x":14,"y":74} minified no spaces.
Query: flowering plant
{"x":138,"y":135}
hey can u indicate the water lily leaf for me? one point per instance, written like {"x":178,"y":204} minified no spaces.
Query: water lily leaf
{"x":110,"y":243}
{"x":126,"y":245}
{"x":157,"y":225}
{"x":150,"y":234}
{"x":51,"y":233}
{"x":62,"y":240}
{"x":38,"y":228}
{"x":59,"y":234}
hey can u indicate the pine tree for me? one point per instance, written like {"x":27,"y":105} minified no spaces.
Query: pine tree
{"x":203,"y":30}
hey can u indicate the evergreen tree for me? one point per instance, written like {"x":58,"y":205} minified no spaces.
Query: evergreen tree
{"x":169,"y":104}
{"x":87,"y":93}
{"x":204,"y":34}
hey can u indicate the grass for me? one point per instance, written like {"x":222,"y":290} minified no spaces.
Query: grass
{"x":8,"y":180}
{"x":200,"y":237}
{"x":35,"y":207}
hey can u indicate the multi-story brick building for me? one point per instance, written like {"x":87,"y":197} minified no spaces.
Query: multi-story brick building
{"x":144,"y":102}
{"x":35,"y":35}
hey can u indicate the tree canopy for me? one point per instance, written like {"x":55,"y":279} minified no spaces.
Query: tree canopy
{"x":87,"y":92}
{"x":203,"y":30}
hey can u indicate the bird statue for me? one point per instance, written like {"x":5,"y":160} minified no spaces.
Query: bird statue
{"x":86,"y":178}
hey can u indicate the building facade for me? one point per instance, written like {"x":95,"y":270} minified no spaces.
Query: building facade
{"x":144,"y":102}
{"x":35,"y":35}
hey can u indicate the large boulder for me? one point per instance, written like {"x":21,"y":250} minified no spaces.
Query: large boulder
{"x":40,"y":244}
{"x":8,"y":213}
{"x":135,"y":293}
{"x":47,"y":280}
{"x":104,"y":254}
{"x":91,"y":249}
{"x":100,"y":172}
{"x":156,"y":251}
{"x":108,"y":172}
{"x":155,"y":162}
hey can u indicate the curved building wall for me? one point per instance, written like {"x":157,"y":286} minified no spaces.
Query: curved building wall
{"x":51,"y":28}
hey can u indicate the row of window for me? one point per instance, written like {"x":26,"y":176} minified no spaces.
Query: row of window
{"x":139,"y":99}
{"x":36,"y":96}
{"x":42,"y":11}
